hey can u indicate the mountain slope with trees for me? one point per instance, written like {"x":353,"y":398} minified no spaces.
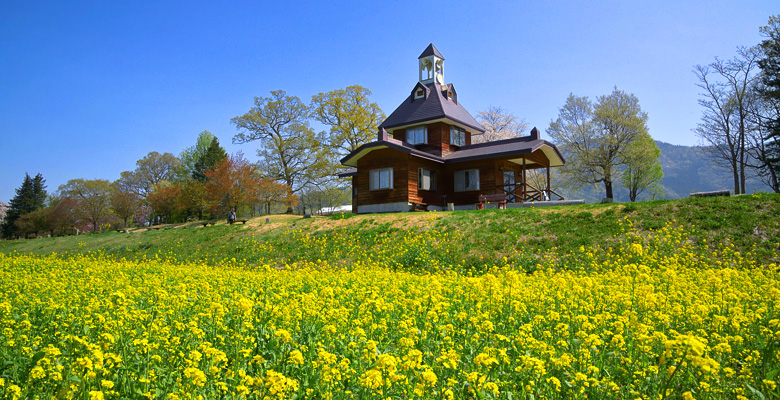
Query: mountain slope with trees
{"x":686,"y":169}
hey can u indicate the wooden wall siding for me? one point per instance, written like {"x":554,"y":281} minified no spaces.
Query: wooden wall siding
{"x":384,"y":158}
{"x":354,"y":194}
{"x":488,"y":171}
{"x":425,"y":196}
{"x":400,"y":134}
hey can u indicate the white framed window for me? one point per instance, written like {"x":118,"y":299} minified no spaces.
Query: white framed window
{"x":457,"y":136}
{"x":419,"y":93}
{"x":380,"y":179}
{"x":417,"y":135}
{"x":426,"y":179}
{"x":466,"y":179}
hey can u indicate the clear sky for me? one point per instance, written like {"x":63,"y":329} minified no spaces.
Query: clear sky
{"x":88,"y":88}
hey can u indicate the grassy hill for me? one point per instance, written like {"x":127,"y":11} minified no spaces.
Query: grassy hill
{"x":463,"y":240}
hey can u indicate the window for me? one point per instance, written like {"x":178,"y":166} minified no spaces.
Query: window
{"x":419,"y":94}
{"x":426,"y":179}
{"x":457,"y":136}
{"x":381,"y":179}
{"x":417,"y":135}
{"x":467,"y":179}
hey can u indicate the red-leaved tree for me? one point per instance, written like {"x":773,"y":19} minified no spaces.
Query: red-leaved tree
{"x":232,"y":183}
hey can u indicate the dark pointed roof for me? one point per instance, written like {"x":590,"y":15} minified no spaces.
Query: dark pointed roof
{"x":431,"y":51}
{"x":431,"y":107}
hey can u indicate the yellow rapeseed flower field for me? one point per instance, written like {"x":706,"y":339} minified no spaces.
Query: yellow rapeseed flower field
{"x":657,"y":320}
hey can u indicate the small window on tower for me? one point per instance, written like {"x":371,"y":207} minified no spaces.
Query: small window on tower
{"x":449,"y":95}
{"x":419,"y":94}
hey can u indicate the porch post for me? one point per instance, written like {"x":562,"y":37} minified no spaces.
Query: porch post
{"x":525,"y":188}
{"x":549,"y":195}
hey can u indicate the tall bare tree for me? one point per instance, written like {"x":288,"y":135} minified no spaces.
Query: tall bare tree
{"x":725,"y":124}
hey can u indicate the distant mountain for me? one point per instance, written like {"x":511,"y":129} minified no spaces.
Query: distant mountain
{"x":687,"y":169}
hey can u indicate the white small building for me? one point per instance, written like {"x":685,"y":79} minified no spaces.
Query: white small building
{"x":347,"y":208}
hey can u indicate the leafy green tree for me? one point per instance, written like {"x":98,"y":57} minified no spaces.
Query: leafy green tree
{"x":290,"y":151}
{"x":213,"y":155}
{"x":150,"y":171}
{"x":29,"y":197}
{"x":189,"y":157}
{"x":642,"y":166}
{"x":94,"y":199}
{"x":593,"y":138}
{"x":351,"y":116}
{"x":32,"y":223}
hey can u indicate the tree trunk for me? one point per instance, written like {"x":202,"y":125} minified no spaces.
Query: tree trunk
{"x":608,"y":188}
{"x":736,"y":181}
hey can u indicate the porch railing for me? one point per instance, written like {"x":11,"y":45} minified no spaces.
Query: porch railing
{"x":519,"y":193}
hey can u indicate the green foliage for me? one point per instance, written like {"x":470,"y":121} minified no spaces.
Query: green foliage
{"x":191,"y":156}
{"x":642,"y":166}
{"x":31,"y":196}
{"x":351,"y":116}
{"x":594,"y":138}
{"x":290,"y":151}
{"x":213,"y":155}
{"x":770,"y":91}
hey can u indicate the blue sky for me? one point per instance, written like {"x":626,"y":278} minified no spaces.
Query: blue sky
{"x":88,"y":88}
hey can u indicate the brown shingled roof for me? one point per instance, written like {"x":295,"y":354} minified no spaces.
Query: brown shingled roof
{"x":431,"y":50}
{"x":500,"y":148}
{"x":391,"y":143}
{"x":432,"y":107}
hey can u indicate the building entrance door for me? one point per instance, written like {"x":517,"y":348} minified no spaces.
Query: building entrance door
{"x":509,"y":186}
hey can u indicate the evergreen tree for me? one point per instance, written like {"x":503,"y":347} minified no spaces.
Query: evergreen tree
{"x":770,"y":88}
{"x":29,"y":197}
{"x":213,"y":155}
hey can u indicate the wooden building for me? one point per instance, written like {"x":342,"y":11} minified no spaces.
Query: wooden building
{"x":423,"y":158}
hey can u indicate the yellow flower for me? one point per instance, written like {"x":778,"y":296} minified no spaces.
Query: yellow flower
{"x":295,"y":357}
{"x":372,"y":379}
{"x":555,"y":383}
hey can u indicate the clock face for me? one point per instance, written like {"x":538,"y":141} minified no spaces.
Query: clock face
{"x":440,"y":78}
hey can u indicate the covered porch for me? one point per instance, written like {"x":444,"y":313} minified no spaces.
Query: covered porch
{"x":526,"y":177}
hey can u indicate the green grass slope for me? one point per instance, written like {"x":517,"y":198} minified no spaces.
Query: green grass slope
{"x":463,"y":240}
